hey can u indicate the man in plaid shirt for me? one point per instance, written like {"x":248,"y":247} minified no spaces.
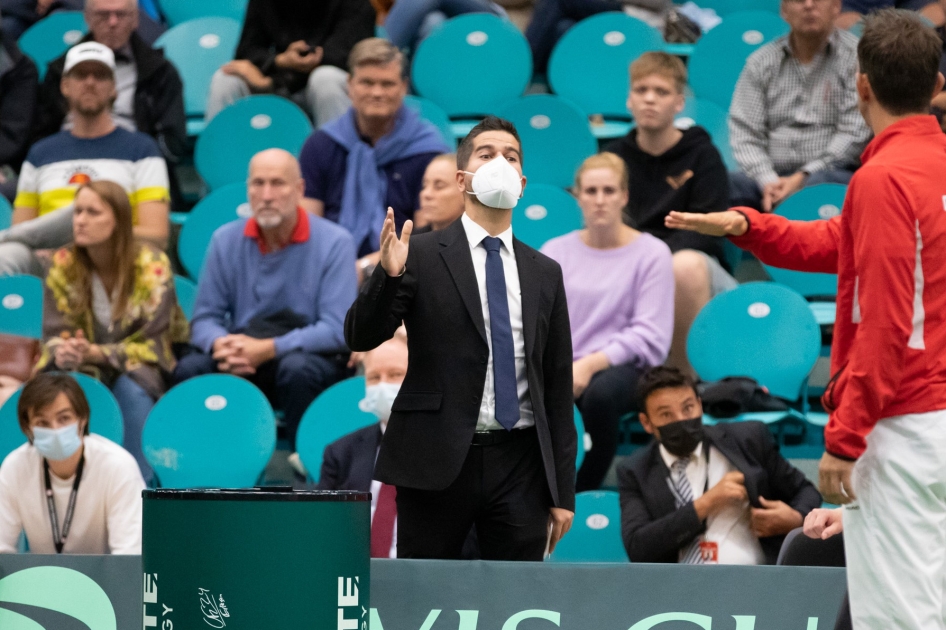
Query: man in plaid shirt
{"x":793,"y":121}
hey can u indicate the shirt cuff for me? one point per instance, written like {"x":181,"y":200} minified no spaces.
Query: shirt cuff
{"x":814,"y":166}
{"x":764,"y":178}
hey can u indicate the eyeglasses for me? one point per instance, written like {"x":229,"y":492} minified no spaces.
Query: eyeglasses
{"x":104,"y":16}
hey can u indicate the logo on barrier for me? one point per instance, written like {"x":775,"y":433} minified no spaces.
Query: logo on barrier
{"x":597,"y":521}
{"x":13,"y":301}
{"x":215,"y":402}
{"x":149,"y":595}
{"x":60,"y":590}
{"x":614,"y":38}
{"x":348,"y":598}
{"x":759,"y":310}
{"x":213,"y":608}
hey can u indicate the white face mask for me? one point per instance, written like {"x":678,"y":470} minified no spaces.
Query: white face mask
{"x":378,"y":400}
{"x":57,"y":444}
{"x":497,"y":184}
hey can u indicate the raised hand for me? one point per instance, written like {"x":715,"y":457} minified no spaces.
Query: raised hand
{"x":727,"y":223}
{"x":394,"y":249}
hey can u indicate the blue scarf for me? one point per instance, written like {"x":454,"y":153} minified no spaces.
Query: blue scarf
{"x":366,"y":186}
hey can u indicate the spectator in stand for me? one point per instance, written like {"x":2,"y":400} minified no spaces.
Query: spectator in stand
{"x":853,"y":11}
{"x":619,"y":285}
{"x":374,"y":156}
{"x":706,"y":495}
{"x":94,"y":484}
{"x":94,"y":148}
{"x":671,"y":169}
{"x":410,"y":21}
{"x":273,"y":294}
{"x":18,"y":81}
{"x":110,"y":309}
{"x":296,"y":49}
{"x":794,"y":120}
{"x":441,"y":200}
{"x":348,"y":463}
{"x":19,"y":15}
{"x":149,"y":93}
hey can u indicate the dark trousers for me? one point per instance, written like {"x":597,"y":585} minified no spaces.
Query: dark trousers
{"x":501,"y":489}
{"x":611,"y":394}
{"x":744,"y":191}
{"x":552,"y":18}
{"x":290,"y":382}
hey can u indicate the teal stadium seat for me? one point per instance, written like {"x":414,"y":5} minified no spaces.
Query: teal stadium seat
{"x":198,"y":48}
{"x":215,"y":430}
{"x":434,"y":114}
{"x":186,"y":291}
{"x":6,"y":213}
{"x":595,"y":535}
{"x":21,"y":306}
{"x":582,"y":439}
{"x":333,"y":414}
{"x":555,"y":135}
{"x":543,"y":213}
{"x":589,"y":66}
{"x":714,"y":119}
{"x":105,"y":418}
{"x":719,"y":56}
{"x":180,"y":11}
{"x":472,"y":65}
{"x":51,"y":37}
{"x":761,"y":330}
{"x":728,"y":7}
{"x":225,"y":204}
{"x":242,"y":130}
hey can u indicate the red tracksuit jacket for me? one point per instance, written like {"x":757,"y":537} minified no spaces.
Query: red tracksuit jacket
{"x":888,"y":248}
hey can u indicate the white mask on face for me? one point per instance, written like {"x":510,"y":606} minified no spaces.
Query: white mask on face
{"x":497,"y":184}
{"x":57,"y":444}
{"x":378,"y":400}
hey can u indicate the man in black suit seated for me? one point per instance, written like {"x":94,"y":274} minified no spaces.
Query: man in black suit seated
{"x":714,"y":494}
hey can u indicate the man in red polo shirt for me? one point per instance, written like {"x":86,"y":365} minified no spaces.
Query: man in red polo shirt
{"x":887,"y":395}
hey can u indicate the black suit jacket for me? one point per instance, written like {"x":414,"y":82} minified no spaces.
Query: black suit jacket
{"x":348,"y":463}
{"x":434,"y":415}
{"x":654,"y":530}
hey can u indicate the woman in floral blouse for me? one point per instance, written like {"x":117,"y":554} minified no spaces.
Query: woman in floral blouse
{"x":110,"y":309}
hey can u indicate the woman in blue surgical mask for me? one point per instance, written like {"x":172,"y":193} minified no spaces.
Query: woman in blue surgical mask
{"x":70,"y":491}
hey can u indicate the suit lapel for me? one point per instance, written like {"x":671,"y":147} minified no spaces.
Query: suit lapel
{"x":657,"y":476}
{"x":718,"y":437}
{"x":455,"y":250}
{"x":530,"y":289}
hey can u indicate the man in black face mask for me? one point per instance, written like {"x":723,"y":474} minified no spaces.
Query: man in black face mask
{"x":706,"y":494}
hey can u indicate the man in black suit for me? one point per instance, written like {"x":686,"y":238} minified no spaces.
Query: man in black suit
{"x":482,"y":431}
{"x":715,"y":494}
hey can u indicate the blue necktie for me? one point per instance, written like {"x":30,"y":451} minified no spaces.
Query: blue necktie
{"x":500,"y":329}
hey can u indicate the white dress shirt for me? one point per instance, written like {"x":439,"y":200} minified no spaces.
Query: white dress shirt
{"x":475,"y":234}
{"x":375,"y":493}
{"x":731,"y":527}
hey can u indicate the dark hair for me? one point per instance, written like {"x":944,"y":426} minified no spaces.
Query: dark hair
{"x":41,"y":390}
{"x":900,"y":56}
{"x":490,"y":123}
{"x":661,"y":377}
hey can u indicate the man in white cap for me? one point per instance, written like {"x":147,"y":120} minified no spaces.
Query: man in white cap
{"x":93,"y":148}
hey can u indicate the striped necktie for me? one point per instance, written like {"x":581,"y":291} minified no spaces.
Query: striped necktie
{"x":683,"y":494}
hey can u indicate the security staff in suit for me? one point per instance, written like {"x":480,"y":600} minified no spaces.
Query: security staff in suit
{"x":482,"y":431}
{"x":714,"y":494}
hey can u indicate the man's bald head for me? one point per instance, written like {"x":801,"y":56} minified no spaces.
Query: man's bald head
{"x":274,"y":187}
{"x":277,"y":158}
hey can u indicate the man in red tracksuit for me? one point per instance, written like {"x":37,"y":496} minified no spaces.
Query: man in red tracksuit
{"x":887,"y":394}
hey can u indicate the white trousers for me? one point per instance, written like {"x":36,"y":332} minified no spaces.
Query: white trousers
{"x":895,"y":533}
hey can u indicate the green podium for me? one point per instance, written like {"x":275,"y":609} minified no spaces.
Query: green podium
{"x":255,"y":559}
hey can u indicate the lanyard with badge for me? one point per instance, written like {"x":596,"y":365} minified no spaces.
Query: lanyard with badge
{"x":709,"y":550}
{"x":60,"y":539}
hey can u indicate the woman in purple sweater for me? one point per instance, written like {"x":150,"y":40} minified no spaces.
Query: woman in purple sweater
{"x":619,"y":284}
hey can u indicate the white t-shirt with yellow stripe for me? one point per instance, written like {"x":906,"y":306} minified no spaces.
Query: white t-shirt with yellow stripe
{"x":56,"y":166}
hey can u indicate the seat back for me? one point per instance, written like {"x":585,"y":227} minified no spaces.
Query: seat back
{"x":105,"y":416}
{"x":197,"y":49}
{"x":186,"y":291}
{"x":814,"y":203}
{"x":242,"y":130}
{"x":333,"y":414}
{"x":589,"y":65}
{"x":761,"y":330}
{"x":179,"y":11}
{"x":51,"y":37}
{"x":434,"y":114}
{"x":225,"y":204}
{"x":215,"y":430}
{"x":595,"y":535}
{"x":494,"y":56}
{"x":724,"y":8}
{"x":719,"y":55}
{"x":6,"y":213}
{"x":555,"y":137}
{"x":543,"y":213}
{"x":21,"y":306}
{"x":714,"y":120}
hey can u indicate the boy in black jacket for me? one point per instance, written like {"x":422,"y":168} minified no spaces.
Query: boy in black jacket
{"x":673,"y":169}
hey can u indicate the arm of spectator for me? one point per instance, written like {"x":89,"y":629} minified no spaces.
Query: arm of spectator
{"x":153,"y":223}
{"x":149,"y":195}
{"x":748,"y":134}
{"x":123,"y":519}
{"x":313,"y":206}
{"x":646,"y":337}
{"x":213,"y":304}
{"x":17,"y":109}
{"x":886,"y":253}
{"x":851,"y":134}
{"x":256,"y":43}
{"x":338,"y":290}
{"x":26,"y":203}
{"x":57,"y":324}
{"x":311,"y":162}
{"x":647,"y":539}
{"x":10,"y":522}
{"x":355,"y":21}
